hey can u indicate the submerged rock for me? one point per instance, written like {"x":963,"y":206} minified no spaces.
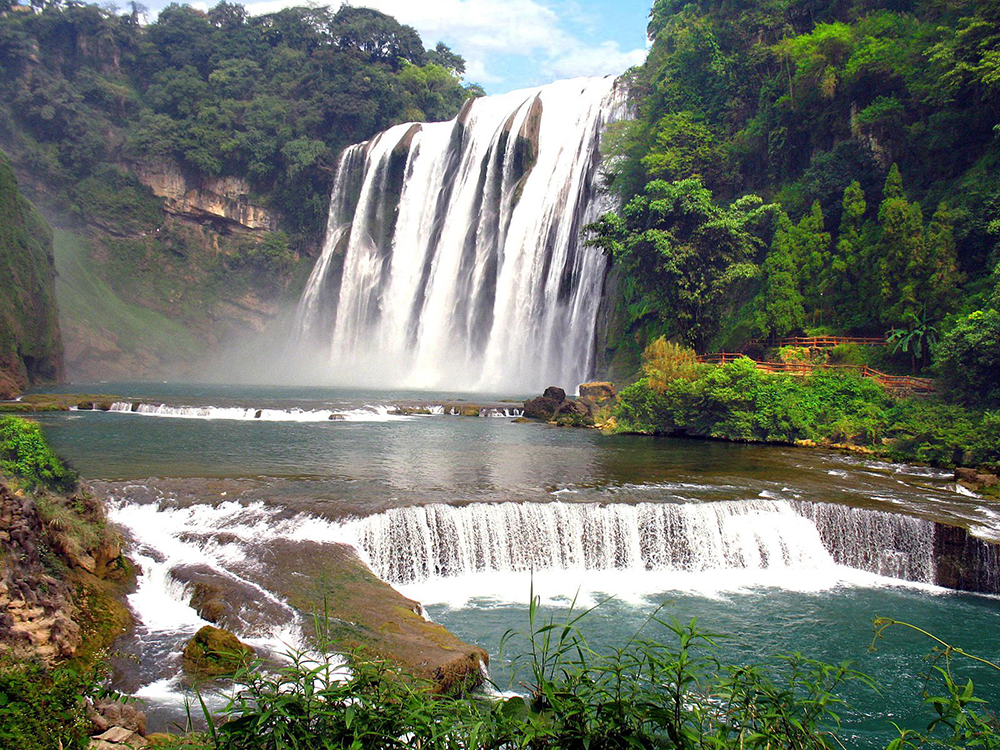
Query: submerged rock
{"x":214,"y":652}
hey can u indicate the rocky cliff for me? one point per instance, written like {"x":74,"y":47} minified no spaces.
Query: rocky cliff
{"x":30,"y":342}
{"x":61,"y":575}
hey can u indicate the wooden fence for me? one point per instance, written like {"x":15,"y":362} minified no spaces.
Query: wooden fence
{"x":899,"y":383}
{"x":818,"y":342}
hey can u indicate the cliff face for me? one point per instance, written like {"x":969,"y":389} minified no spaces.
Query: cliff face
{"x":61,"y":575}
{"x":223,"y":200}
{"x":30,"y":342}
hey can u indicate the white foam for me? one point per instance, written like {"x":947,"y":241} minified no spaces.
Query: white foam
{"x":367,"y":413}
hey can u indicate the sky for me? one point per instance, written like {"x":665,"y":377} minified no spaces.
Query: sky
{"x":513,"y":44}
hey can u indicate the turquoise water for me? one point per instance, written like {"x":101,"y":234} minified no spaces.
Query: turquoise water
{"x":158,"y":468}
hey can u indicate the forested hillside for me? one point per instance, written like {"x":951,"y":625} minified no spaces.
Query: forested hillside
{"x":191,"y":158}
{"x":30,"y":346}
{"x":814,"y":165}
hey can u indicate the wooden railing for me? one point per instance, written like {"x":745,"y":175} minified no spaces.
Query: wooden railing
{"x":900,"y":383}
{"x":818,"y":342}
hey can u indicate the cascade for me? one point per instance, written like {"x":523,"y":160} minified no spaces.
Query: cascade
{"x":463,"y":261}
{"x":411,"y":544}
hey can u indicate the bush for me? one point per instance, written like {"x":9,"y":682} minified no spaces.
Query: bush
{"x":968,"y":359}
{"x":41,"y":708}
{"x":663,"y":361}
{"x":25,"y":454}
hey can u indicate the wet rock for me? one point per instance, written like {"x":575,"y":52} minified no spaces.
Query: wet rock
{"x":214,"y":652}
{"x":106,"y":714}
{"x":975,"y":480}
{"x":118,"y":738}
{"x":546,"y":405}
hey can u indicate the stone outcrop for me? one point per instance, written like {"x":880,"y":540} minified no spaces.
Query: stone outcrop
{"x":367,"y":615}
{"x":546,"y":405}
{"x":975,"y":480}
{"x":214,"y":652}
{"x":599,"y":392}
{"x":214,"y":199}
{"x":44,"y":564}
{"x":30,"y":337}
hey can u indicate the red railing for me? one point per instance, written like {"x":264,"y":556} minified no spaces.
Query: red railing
{"x":819,"y":342}
{"x":902,"y":383}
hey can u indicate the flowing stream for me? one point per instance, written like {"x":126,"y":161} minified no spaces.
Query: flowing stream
{"x":782,"y":549}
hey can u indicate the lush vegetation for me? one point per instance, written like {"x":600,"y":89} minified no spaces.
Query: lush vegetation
{"x":806,"y":163}
{"x":43,"y":708}
{"x":666,"y":688}
{"x":88,"y":91}
{"x":25,"y":455}
{"x":30,"y":346}
{"x":737,"y":401}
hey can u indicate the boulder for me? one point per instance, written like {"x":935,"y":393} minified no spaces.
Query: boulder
{"x":574,"y":413}
{"x":545,"y":406}
{"x":214,"y":652}
{"x":975,"y":480}
{"x":106,"y":714}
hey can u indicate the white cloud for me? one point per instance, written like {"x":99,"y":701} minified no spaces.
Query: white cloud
{"x":484,"y":30}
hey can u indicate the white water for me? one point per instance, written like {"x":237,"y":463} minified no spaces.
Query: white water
{"x":371,"y":413}
{"x":464,"y":265}
{"x":443,"y":553}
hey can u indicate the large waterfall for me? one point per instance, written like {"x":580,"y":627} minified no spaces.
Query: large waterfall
{"x":419,"y":543}
{"x":454,"y":254}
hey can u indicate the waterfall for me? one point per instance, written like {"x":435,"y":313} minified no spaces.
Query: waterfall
{"x":454,"y":254}
{"x":411,"y":544}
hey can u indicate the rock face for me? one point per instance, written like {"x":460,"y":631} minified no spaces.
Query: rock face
{"x":40,"y":612}
{"x":30,"y":340}
{"x":220,"y":199}
{"x":965,"y":562}
{"x":368,"y":615}
{"x":214,"y":652}
{"x":546,"y":405}
{"x":975,"y":480}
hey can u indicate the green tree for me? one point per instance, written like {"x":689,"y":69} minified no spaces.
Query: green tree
{"x":778,"y":306}
{"x":849,"y":275}
{"x":685,"y":259}
{"x":901,"y":252}
{"x":810,"y":251}
{"x":941,"y":279}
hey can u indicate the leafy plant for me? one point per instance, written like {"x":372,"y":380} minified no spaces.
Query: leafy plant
{"x":25,"y":454}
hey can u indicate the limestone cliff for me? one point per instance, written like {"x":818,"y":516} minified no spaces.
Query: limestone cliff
{"x":221,"y":200}
{"x":30,"y":342}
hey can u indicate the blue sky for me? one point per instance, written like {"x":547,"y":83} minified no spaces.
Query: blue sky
{"x":511,"y":44}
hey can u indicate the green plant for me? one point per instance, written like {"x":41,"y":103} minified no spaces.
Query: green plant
{"x":43,"y":708}
{"x":25,"y":454}
{"x":917,"y":338}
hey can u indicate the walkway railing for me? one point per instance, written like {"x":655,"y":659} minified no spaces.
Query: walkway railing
{"x":819,"y":342}
{"x":899,"y":383}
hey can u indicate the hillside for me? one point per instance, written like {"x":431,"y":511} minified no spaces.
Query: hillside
{"x":30,"y":345}
{"x":190,"y":160}
{"x":814,"y":166}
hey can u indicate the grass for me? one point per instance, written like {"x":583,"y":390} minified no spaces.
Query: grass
{"x":86,"y":300}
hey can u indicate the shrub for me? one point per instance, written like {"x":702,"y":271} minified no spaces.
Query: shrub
{"x":968,"y":359}
{"x":41,"y":708}
{"x":25,"y":454}
{"x":663,"y":361}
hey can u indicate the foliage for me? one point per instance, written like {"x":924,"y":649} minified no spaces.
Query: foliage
{"x":42,"y":708}
{"x":271,"y":98}
{"x":818,"y":107}
{"x":737,"y":401}
{"x":25,"y":454}
{"x":968,"y":358}
{"x":685,"y":258}
{"x":663,"y":361}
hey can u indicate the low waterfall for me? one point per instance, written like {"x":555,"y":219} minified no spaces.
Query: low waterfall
{"x":454,"y":254}
{"x":417,"y":543}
